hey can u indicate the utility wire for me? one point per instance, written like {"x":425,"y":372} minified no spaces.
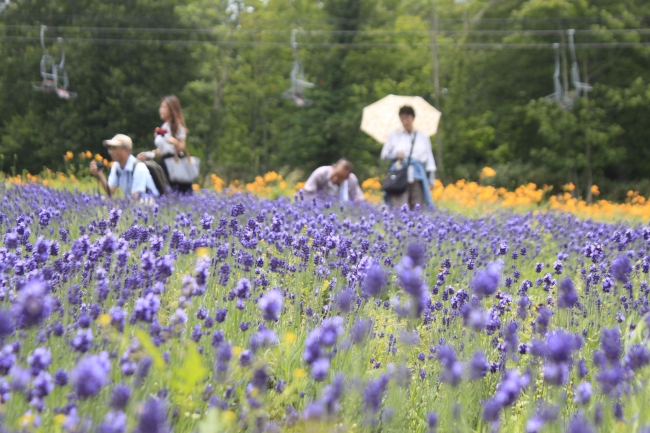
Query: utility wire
{"x":554,"y":20}
{"x":498,"y":46}
{"x":214,"y":31}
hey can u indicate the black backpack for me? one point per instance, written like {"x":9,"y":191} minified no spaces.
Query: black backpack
{"x":158,"y":175}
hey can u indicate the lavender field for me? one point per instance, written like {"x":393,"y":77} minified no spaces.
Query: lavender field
{"x":227,"y":313}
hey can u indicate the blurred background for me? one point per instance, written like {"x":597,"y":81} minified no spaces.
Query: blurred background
{"x":487,"y":65}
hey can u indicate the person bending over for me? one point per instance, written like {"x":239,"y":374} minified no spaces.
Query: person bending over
{"x":132,"y":177}
{"x":336,"y":180}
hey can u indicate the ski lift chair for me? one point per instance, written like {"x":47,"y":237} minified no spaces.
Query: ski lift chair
{"x":51,"y":79}
{"x":557,"y":86}
{"x":298,"y":82}
{"x":48,"y":84}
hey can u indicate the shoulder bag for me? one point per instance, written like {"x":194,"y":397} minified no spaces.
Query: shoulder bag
{"x":396,"y":181}
{"x":183,"y":170}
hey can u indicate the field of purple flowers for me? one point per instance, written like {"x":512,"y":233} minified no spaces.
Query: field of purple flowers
{"x":227,"y":313}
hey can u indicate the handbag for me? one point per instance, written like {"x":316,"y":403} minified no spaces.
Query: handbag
{"x":183,"y":170}
{"x":396,"y":181}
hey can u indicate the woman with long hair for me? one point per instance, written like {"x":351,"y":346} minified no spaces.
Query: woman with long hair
{"x":170,"y":139}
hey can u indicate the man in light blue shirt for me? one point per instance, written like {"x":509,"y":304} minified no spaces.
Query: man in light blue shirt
{"x":127,"y":173}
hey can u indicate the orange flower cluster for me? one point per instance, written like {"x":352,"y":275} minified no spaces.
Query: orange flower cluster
{"x":460,"y":195}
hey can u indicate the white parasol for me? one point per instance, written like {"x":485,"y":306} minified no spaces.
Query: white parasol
{"x":381,"y":118}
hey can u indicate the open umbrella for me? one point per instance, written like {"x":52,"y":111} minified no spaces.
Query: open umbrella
{"x":381,"y":118}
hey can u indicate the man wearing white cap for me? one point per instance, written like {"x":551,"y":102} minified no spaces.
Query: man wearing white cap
{"x":132,"y":178}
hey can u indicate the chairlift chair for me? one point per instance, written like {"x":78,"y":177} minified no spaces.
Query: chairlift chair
{"x":557,"y":86}
{"x":566,"y":99}
{"x":298,"y":82}
{"x":50,"y":80}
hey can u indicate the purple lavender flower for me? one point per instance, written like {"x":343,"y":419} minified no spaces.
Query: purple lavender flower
{"x":331,"y":329}
{"x":453,"y":370}
{"x":271,"y":305}
{"x":39,"y":360}
{"x":568,"y":297}
{"x":113,"y":422}
{"x":374,"y":393}
{"x":153,"y":418}
{"x":220,"y":315}
{"x":6,"y":324}
{"x":416,"y":253}
{"x":478,"y":366}
{"x":543,"y":319}
{"x":374,"y":281}
{"x":120,"y":396}
{"x":320,"y":369}
{"x":82,"y":341}
{"x":486,"y":282}
{"x":145,"y":308}
{"x":60,"y":378}
{"x":360,"y":330}
{"x":33,"y":304}
{"x":243,"y":288}
{"x":610,"y":342}
{"x":579,"y":425}
{"x":621,"y":268}
{"x":637,"y":357}
{"x":89,"y":376}
{"x":432,"y":421}
{"x":583,"y":393}
{"x":264,"y":338}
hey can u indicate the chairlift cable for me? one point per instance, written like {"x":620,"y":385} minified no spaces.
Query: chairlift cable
{"x":214,"y":31}
{"x":478,"y":45}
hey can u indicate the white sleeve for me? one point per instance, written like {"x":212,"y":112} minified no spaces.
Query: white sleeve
{"x":181,"y":133}
{"x":431,"y":163}
{"x":112,"y":176}
{"x":387,"y":152}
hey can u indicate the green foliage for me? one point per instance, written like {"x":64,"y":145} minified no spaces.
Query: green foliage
{"x":231,"y":79}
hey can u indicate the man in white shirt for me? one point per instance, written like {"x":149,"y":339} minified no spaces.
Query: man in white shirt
{"x":337,"y":180}
{"x":421,"y":171}
{"x":131,"y":177}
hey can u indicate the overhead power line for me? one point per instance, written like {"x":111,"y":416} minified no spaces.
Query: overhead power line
{"x":482,"y":45}
{"x":158,"y":19}
{"x":213,"y":31}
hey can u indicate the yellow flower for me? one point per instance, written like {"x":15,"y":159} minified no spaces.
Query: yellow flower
{"x":104,"y":320}
{"x":229,"y":415}
{"x":89,"y":154}
{"x":202,"y":252}
{"x":595,"y":190}
{"x":488,"y":172}
{"x":290,"y":337}
{"x":196,"y":187}
{"x":569,"y":186}
{"x":27,"y":419}
{"x":299,"y":373}
{"x":59,"y":419}
{"x":98,"y":157}
{"x":270,"y":177}
{"x":236,"y":350}
{"x":68,"y":156}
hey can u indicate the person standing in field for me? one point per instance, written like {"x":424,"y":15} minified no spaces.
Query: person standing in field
{"x":170,"y":139}
{"x":422,"y":167}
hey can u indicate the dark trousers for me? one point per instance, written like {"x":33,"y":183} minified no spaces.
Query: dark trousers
{"x":181,"y":188}
{"x":413,"y":195}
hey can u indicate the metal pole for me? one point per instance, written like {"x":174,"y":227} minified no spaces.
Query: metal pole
{"x":436,"y":87}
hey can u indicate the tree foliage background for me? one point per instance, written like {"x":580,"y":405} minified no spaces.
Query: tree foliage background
{"x":229,"y":62}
